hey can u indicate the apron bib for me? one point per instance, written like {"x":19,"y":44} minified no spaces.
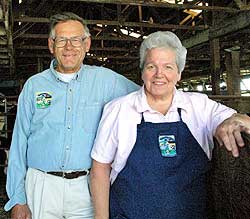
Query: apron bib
{"x":164,"y":176}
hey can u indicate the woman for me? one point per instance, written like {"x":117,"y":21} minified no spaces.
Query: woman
{"x":154,"y":144}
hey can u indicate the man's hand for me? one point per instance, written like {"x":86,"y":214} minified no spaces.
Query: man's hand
{"x":20,"y":212}
{"x":228,"y":133}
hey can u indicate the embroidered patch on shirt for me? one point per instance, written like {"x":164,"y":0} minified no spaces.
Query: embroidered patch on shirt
{"x":167,"y":145}
{"x":43,"y":100}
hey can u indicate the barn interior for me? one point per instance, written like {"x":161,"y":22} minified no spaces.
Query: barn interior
{"x":215,"y":33}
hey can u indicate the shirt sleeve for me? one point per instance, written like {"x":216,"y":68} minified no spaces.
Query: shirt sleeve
{"x":124,"y":86}
{"x":215,"y":113}
{"x":105,"y":145}
{"x":17,"y":164}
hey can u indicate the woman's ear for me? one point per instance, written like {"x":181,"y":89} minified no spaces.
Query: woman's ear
{"x":179,"y":77}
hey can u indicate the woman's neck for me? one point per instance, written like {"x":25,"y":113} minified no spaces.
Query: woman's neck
{"x":160,"y":103}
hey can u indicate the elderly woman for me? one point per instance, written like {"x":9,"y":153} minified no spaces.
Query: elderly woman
{"x":152,"y":147}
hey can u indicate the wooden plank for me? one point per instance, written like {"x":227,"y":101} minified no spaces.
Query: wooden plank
{"x":117,"y":23}
{"x":158,"y":4}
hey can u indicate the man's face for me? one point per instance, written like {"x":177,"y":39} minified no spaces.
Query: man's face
{"x":69,"y":57}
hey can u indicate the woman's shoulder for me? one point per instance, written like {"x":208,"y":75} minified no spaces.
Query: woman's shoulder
{"x":192,"y":96}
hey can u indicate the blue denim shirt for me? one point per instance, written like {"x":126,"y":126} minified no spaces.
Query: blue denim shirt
{"x":56,"y":123}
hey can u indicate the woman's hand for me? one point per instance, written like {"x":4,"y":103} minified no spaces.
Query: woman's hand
{"x":228,"y":133}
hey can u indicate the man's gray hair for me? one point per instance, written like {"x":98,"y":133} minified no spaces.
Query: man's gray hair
{"x":164,"y":39}
{"x":63,"y":17}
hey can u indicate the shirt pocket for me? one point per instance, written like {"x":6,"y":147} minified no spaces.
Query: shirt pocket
{"x":91,"y":115}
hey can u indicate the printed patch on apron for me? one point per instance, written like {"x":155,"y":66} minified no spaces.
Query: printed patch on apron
{"x":167,"y":145}
{"x":43,"y":100}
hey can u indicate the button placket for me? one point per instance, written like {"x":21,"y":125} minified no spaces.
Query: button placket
{"x":68,"y":124}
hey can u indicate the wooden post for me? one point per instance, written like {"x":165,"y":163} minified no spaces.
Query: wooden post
{"x":233,"y":72}
{"x":215,"y":65}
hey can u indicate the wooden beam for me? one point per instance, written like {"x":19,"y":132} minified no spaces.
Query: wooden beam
{"x":234,"y":24}
{"x":2,"y":31}
{"x":197,"y":39}
{"x":4,"y":56}
{"x":3,"y":49}
{"x":110,"y":49}
{"x":215,"y":65}
{"x":31,"y":55}
{"x":239,"y":3}
{"x":116,"y":23}
{"x":4,"y":62}
{"x":107,"y":38}
{"x":158,"y":4}
{"x":3,"y":42}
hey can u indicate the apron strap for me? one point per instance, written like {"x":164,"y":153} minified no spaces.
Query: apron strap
{"x":142,"y":119}
{"x":178,"y":109}
{"x":179,"y":112}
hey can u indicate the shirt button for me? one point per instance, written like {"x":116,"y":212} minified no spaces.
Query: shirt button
{"x":67,"y":147}
{"x":70,"y":90}
{"x":69,"y":108}
{"x":69,"y":127}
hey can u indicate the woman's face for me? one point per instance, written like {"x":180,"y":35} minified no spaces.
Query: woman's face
{"x":160,"y":73}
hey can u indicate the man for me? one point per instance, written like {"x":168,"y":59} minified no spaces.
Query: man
{"x":58,"y":113}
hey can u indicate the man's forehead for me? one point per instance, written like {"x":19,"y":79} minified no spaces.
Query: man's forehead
{"x":70,"y":27}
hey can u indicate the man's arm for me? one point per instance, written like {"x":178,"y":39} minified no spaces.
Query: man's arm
{"x":17,"y":164}
{"x":100,"y":185}
{"x":228,"y":133}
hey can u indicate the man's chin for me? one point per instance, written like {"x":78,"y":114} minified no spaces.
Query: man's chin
{"x":68,"y":69}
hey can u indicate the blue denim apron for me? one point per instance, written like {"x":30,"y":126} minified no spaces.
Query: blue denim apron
{"x":153,"y":186}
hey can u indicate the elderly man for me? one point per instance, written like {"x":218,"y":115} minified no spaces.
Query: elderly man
{"x":58,"y":113}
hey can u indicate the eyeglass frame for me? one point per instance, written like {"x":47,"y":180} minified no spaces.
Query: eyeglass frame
{"x":66,"y":39}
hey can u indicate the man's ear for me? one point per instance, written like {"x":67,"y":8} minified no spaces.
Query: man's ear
{"x":87,"y":43}
{"x":51,"y":45}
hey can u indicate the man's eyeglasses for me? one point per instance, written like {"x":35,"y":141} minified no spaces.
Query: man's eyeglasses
{"x":62,"y":41}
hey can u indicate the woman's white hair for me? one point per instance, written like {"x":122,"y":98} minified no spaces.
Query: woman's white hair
{"x":164,"y":39}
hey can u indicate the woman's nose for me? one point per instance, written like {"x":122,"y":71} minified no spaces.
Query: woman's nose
{"x":158,"y":72}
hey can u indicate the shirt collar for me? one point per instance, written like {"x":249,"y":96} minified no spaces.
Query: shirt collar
{"x":54,"y":73}
{"x":141,"y":103}
{"x":179,"y":101}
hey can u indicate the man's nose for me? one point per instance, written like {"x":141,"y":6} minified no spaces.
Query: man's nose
{"x":68,"y":44}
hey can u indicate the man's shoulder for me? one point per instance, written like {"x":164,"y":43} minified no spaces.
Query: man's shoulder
{"x":101,"y":71}
{"x":38,"y":76}
{"x":124,"y":101}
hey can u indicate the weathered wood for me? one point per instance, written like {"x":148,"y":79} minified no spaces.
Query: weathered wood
{"x":117,"y":23}
{"x":230,"y":25}
{"x":233,"y":72}
{"x":159,"y":4}
{"x":215,"y":65}
{"x":228,"y":182}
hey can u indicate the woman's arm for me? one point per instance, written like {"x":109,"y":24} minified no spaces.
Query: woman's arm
{"x":100,"y":184}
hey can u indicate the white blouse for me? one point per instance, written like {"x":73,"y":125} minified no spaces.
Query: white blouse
{"x":117,"y":130}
